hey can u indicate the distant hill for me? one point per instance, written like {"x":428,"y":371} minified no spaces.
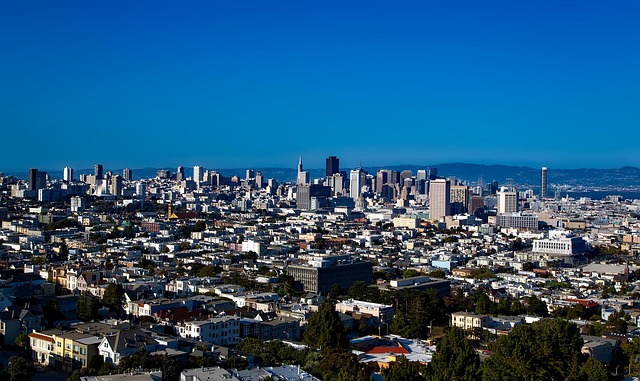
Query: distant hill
{"x":627,"y":177}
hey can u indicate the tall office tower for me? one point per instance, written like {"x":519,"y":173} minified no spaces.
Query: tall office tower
{"x":249,"y":174}
{"x":198,"y":172}
{"x":421,"y":174}
{"x":303,"y":176}
{"x":97,"y":171}
{"x":544,"y":188}
{"x":382,"y":178}
{"x":357,"y":178}
{"x":459,"y":199}
{"x":433,"y":173}
{"x":141,"y":191}
{"x":493,"y":187}
{"x":41,"y":180}
{"x":116,"y":186}
{"x":127,"y":174}
{"x":180,"y":173}
{"x":439,"y":199}
{"x":406,"y":174}
{"x":67,"y":174}
{"x":333,"y":166}
{"x":507,"y":200}
{"x":259,"y":179}
{"x":476,"y":203}
{"x":33,"y":178}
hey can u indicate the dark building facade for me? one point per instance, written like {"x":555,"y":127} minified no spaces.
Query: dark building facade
{"x":306,"y":194}
{"x":321,"y":279}
{"x":333,"y":166}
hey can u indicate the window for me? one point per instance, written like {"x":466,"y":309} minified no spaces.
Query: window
{"x":76,"y":348}
{"x":59,"y":344}
{"x":68,"y":346}
{"x":83,"y":351}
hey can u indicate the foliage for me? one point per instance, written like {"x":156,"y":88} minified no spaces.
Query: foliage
{"x":593,"y":370}
{"x":324,"y":328}
{"x":617,"y":322}
{"x":537,"y":307}
{"x":335,"y":293}
{"x":20,"y":369}
{"x":361,"y":291}
{"x":113,"y":297}
{"x":455,"y":359}
{"x":482,"y":273}
{"x":438,"y":274}
{"x":22,"y":341}
{"x":63,"y":250}
{"x":416,"y":311}
{"x":410,"y":273}
{"x":87,"y":307}
{"x":548,"y":349}
{"x":404,"y":370}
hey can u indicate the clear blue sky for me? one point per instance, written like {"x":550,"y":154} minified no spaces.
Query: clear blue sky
{"x":256,"y":83}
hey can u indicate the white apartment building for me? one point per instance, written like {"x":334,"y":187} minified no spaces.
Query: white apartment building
{"x":467,"y":320}
{"x":224,"y":330}
{"x":380,"y":313}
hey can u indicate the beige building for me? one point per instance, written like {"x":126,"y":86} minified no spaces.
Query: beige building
{"x":467,"y":320}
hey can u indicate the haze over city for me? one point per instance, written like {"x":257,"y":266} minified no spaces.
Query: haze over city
{"x":228,"y":84}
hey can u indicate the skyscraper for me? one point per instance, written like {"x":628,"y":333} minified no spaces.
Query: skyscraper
{"x":198,"y":173}
{"x":543,"y":183}
{"x":127,"y":174}
{"x":97,"y":171}
{"x":33,"y":178}
{"x":303,"y":176}
{"x":180,"y":173}
{"x":356,"y":181}
{"x":333,"y":166}
{"x":116,"y":185}
{"x":439,"y":199}
{"x":67,"y":174}
{"x":507,"y":200}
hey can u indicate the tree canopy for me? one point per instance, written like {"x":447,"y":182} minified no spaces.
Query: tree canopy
{"x":324,"y":328}
{"x":455,"y":359}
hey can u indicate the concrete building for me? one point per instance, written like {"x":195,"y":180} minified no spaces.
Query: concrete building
{"x":543,"y":183}
{"x":380,"y":313}
{"x":507,"y":200}
{"x":439,"y":199}
{"x":67,"y":174}
{"x":357,"y":179}
{"x":468,"y":320}
{"x":224,"y":330}
{"x":518,"y":220}
{"x":320,"y":274}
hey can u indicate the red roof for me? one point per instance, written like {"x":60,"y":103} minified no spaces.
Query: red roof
{"x":41,"y":337}
{"x":394,"y":349}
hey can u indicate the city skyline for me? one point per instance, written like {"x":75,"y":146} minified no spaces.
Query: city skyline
{"x":239,"y":85}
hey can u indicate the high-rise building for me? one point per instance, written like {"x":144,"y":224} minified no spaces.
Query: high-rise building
{"x":333,"y":166}
{"x":180,"y":173}
{"x":459,"y":199}
{"x":116,"y":186}
{"x":259,"y":180}
{"x":543,"y":183}
{"x":33,"y":178}
{"x":507,"y":200}
{"x":433,"y":173}
{"x":439,"y":199}
{"x":67,"y":174}
{"x":97,"y":171}
{"x":303,"y":176}
{"x":312,"y":196}
{"x":127,"y":174}
{"x":141,"y":191}
{"x":198,"y":173}
{"x":357,"y":179}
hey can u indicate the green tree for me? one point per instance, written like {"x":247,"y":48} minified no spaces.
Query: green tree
{"x":483,"y":304}
{"x":87,"y":307}
{"x":113,"y":297}
{"x":548,"y":349}
{"x":455,"y":359}
{"x":593,"y":370}
{"x":410,"y":273}
{"x":63,"y":250}
{"x":361,"y":291}
{"x":324,"y":328}
{"x":335,"y":293}
{"x":404,"y":370}
{"x":20,"y":369}
{"x":535,"y":306}
{"x":617,"y":322}
{"x":22,"y":341}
